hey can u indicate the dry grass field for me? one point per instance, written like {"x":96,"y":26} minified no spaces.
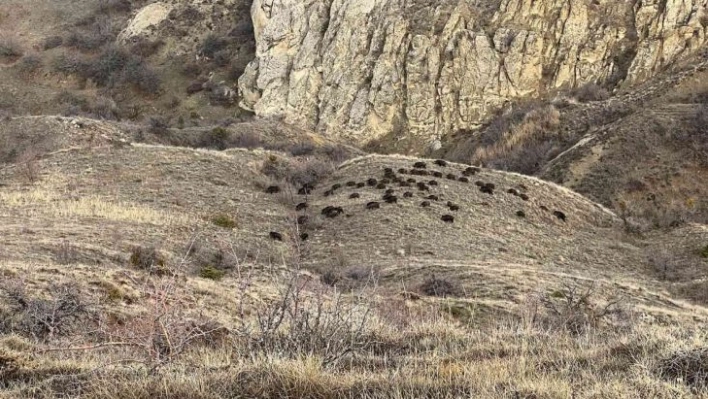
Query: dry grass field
{"x":135,"y":270}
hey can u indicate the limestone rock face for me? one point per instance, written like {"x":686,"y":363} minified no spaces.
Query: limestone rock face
{"x":365,"y":69}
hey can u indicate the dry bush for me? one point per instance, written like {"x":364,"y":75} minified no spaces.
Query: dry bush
{"x":158,"y":126}
{"x":526,"y":146}
{"x":64,"y":312}
{"x":665,"y":264}
{"x":117,"y":6}
{"x":93,"y":35}
{"x":521,"y":140}
{"x":590,"y":92}
{"x":66,"y":253}
{"x":27,"y":164}
{"x":576,"y":309}
{"x":297,"y":171}
{"x":223,"y":220}
{"x":305,"y":320}
{"x":689,"y":367}
{"x":440,"y":287}
{"x":10,"y":49}
{"x":51,"y":42}
{"x":695,"y":137}
{"x":114,"y":66}
{"x":145,"y":48}
{"x":148,"y":259}
{"x":29,"y":65}
{"x":213,"y":44}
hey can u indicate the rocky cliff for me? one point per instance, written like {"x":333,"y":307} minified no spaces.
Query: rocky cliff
{"x":365,"y":69}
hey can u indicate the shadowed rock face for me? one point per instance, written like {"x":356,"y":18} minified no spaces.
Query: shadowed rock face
{"x":363,"y":69}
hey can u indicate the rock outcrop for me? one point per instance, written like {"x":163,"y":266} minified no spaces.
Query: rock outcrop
{"x":366,"y":69}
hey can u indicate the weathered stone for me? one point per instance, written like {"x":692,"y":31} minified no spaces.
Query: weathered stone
{"x":365,"y":69}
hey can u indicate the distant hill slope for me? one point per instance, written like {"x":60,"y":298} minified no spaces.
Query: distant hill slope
{"x":108,"y":199}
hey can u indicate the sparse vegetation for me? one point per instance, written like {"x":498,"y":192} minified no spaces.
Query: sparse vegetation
{"x":148,"y":259}
{"x":223,"y":220}
{"x":211,"y":273}
{"x":590,"y":92}
{"x":29,"y":65}
{"x":689,"y":367}
{"x":9,"y":49}
{"x":440,"y":287}
{"x":114,"y":66}
{"x":52,"y":42}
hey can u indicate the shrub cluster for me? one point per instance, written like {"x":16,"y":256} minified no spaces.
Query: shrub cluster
{"x":114,"y":66}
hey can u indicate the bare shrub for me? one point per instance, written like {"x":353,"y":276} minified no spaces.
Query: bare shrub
{"x":575,"y":309}
{"x":297,"y":172}
{"x":63,"y":313}
{"x":29,"y":65}
{"x":70,"y":65}
{"x":148,"y":259}
{"x":695,"y":137}
{"x":9,"y":49}
{"x":66,"y":253}
{"x":665,"y":264}
{"x":223,"y":220}
{"x":590,"y":92}
{"x":113,"y":67}
{"x":217,"y":138}
{"x":213,"y":44}
{"x":687,"y":366}
{"x":52,"y":42}
{"x":139,"y":75}
{"x":303,"y":321}
{"x":27,"y":165}
{"x":164,"y":332}
{"x":520,"y":140}
{"x":440,"y":287}
{"x":158,"y":126}
{"x":97,"y":32}
{"x":144,"y":48}
{"x":118,"y":6}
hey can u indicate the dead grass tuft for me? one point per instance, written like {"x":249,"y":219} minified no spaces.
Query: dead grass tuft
{"x":689,"y":367}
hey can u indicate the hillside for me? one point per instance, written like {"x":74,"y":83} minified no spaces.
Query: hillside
{"x":81,"y":225}
{"x":353,"y":199}
{"x":594,"y":143}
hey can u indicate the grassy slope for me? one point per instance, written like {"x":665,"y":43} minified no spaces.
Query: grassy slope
{"x":495,"y":340}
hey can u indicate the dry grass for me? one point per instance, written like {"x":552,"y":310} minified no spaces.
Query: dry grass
{"x":241,"y":315}
{"x":38,"y":202}
{"x":532,"y":129}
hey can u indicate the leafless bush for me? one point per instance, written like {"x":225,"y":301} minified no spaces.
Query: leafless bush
{"x":213,"y":44}
{"x":575,"y":309}
{"x":27,"y":165}
{"x":158,"y":126}
{"x":590,"y":92}
{"x":304,"y":321}
{"x":164,"y":332}
{"x":29,"y":65}
{"x":96,"y":33}
{"x":66,"y":253}
{"x":69,"y":65}
{"x":9,"y":49}
{"x":148,"y":259}
{"x":63,"y":313}
{"x":689,"y":367}
{"x":52,"y":42}
{"x":440,"y":287}
{"x":297,"y":172}
{"x":695,"y":137}
{"x":107,"y":6}
{"x":145,"y":48}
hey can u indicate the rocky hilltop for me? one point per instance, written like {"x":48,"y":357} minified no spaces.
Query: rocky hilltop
{"x":365,"y":69}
